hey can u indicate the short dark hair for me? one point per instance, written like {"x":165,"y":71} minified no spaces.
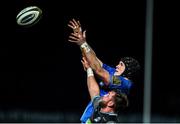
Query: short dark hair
{"x":131,"y":66}
{"x":121,"y":102}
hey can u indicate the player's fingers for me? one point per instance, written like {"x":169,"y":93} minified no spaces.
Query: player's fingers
{"x":70,"y":26}
{"x":75,"y":34}
{"x":84,"y":34}
{"x":79,"y":23}
{"x":76,"y":24}
{"x":73,"y":38}
{"x":72,"y":23}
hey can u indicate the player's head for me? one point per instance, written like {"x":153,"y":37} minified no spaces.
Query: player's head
{"x":114,"y":100}
{"x":121,"y":101}
{"x":127,"y":67}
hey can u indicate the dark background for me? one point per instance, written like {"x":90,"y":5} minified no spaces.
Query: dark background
{"x":165,"y":78}
{"x":42,"y":79}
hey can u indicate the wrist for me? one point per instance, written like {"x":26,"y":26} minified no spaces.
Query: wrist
{"x":81,"y":42}
{"x":90,"y":72}
{"x":85,"y":47}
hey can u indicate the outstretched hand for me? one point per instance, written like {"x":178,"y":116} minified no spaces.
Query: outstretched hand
{"x":77,"y":36}
{"x":75,"y":25}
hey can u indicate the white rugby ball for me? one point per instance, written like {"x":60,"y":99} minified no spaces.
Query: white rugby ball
{"x":29,"y":16}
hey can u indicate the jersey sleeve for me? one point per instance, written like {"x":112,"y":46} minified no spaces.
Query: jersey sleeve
{"x":118,"y":82}
{"x":110,"y":69}
{"x":96,"y":101}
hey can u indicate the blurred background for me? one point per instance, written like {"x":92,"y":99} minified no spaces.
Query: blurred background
{"x":41,"y":76}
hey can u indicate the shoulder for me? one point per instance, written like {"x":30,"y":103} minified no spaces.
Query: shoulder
{"x":96,"y":100}
{"x":108,"y":68}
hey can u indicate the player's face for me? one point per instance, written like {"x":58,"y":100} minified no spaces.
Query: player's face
{"x":120,"y":68}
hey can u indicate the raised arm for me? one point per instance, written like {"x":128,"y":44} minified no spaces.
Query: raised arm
{"x":79,"y":37}
{"x":93,"y":87}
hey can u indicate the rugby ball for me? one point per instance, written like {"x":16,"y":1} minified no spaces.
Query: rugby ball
{"x":29,"y":16}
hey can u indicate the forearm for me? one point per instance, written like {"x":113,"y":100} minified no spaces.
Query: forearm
{"x":90,"y":55}
{"x":95,"y":63}
{"x":93,"y":87}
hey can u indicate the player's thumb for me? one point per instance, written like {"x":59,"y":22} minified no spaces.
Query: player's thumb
{"x":84,"y":34}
